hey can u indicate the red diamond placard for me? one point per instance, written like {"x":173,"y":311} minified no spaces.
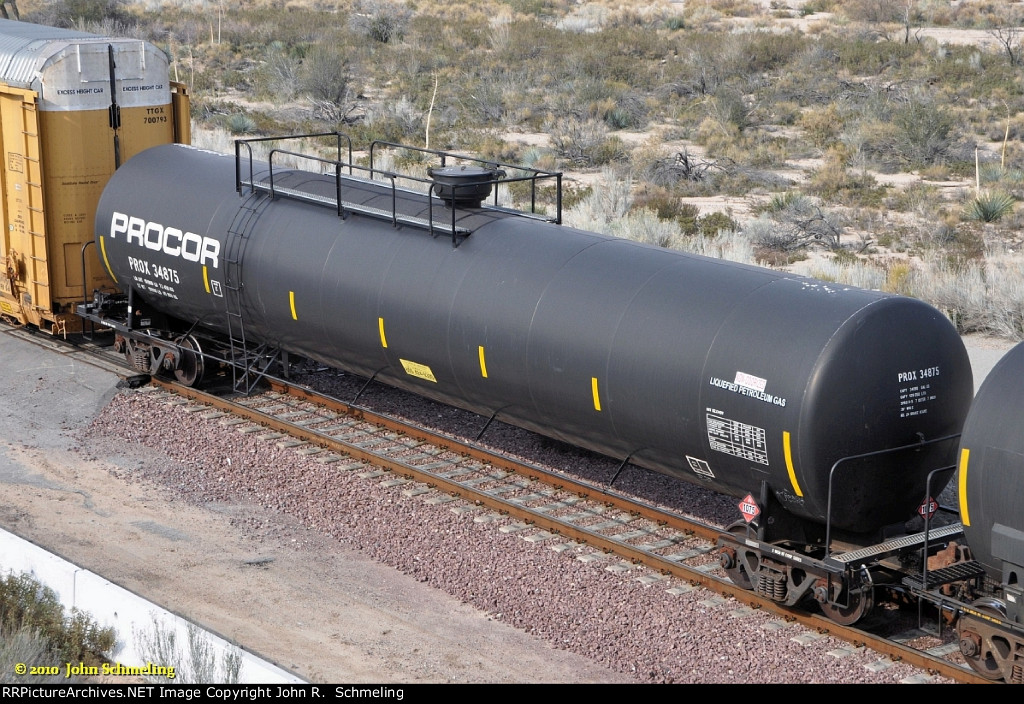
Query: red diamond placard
{"x":928,"y":508}
{"x":749,"y":508}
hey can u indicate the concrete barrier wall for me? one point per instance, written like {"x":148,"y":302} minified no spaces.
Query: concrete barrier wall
{"x":129,"y":614}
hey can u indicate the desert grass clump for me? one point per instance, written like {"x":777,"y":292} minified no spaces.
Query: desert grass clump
{"x":961,"y":291}
{"x":608,"y":199}
{"x":380,"y":20}
{"x":821,"y":125}
{"x":644,"y":225}
{"x":846,"y":271}
{"x":921,"y":199}
{"x":989,"y":206}
{"x":730,"y":245}
{"x":241,"y":124}
{"x":669,"y":206}
{"x":897,"y":276}
{"x":836,"y":183}
{"x":27,"y":647}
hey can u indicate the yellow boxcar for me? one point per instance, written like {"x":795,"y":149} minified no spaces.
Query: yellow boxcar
{"x":73,"y":107}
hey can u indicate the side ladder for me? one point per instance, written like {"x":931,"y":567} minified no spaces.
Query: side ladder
{"x":39,"y":270}
{"x":248,"y":364}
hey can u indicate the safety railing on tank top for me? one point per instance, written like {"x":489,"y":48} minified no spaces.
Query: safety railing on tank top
{"x":343,"y":170}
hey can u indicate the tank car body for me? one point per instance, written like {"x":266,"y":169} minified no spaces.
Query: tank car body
{"x":991,"y":493}
{"x":72,"y":107}
{"x":991,"y":472}
{"x":743,"y":379}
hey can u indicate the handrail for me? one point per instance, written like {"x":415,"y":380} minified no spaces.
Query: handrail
{"x":252,"y":140}
{"x":85,"y":290}
{"x":339,"y":164}
{"x":927,"y":516}
{"x":921,"y":443}
{"x":535,"y":174}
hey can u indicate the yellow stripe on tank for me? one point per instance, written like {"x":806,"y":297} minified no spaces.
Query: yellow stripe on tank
{"x":787,"y":449}
{"x":206,"y":278}
{"x":380,"y":327}
{"x":106,"y":263}
{"x":965,"y":515}
{"x":291,"y":302}
{"x":483,"y":362}
{"x":597,"y":396}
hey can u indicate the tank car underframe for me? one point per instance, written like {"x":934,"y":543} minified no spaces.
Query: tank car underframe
{"x":790,"y":560}
{"x":785,"y":574}
{"x":169,"y":348}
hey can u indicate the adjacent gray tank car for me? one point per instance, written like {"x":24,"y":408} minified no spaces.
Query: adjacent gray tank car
{"x":991,"y":474}
{"x":991,"y":491}
{"x":736,"y":377}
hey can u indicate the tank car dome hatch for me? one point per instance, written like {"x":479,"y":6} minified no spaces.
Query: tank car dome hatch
{"x":463,"y":185}
{"x":991,"y":471}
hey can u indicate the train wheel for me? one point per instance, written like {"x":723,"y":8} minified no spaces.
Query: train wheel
{"x":190,"y":365}
{"x":731,"y":562}
{"x":984,"y":653}
{"x":860,"y":606}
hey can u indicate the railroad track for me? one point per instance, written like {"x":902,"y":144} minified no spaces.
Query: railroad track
{"x":543,"y":506}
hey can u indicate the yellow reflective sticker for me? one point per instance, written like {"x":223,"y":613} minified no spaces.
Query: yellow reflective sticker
{"x":206,"y":278}
{"x":420,"y":371}
{"x":965,"y":515}
{"x":597,"y":396}
{"x":787,"y":449}
{"x":103,"y":248}
{"x":380,"y":326}
{"x":291,"y":302}
{"x":483,"y":362}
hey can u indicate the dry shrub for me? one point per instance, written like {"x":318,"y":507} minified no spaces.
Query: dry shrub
{"x":27,"y":605}
{"x":897,"y":276}
{"x":821,"y":125}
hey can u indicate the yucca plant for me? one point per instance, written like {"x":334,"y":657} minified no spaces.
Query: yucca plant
{"x":241,"y":124}
{"x":989,"y":206}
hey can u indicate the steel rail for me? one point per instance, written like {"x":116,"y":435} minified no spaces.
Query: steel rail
{"x":470,"y":449}
{"x":895,"y":651}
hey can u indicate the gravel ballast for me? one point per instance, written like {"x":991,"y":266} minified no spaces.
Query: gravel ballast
{"x":651,"y":632}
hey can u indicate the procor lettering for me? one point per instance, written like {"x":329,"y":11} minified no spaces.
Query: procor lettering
{"x":169,"y":240}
